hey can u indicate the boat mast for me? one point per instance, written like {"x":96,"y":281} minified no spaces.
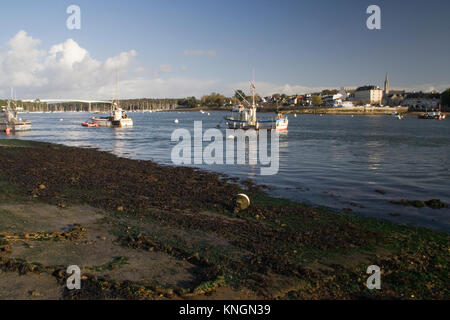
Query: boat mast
{"x":116,"y":91}
{"x":253,"y":89}
{"x":253,"y":109}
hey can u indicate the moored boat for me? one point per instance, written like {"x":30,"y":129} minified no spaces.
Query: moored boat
{"x":10,"y":121}
{"x":245,"y":117}
{"x":117,"y":118}
{"x":89,"y":124}
{"x":432,"y":116}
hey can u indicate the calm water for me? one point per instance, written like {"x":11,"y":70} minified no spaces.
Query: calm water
{"x":334,"y":161}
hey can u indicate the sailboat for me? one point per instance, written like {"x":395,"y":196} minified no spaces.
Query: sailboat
{"x":245,"y":117}
{"x":117,"y":118}
{"x":9,"y":119}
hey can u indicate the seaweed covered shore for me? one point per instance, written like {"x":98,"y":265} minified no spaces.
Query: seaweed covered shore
{"x":275,"y":249}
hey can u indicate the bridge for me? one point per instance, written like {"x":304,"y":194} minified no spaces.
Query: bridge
{"x":55,"y":101}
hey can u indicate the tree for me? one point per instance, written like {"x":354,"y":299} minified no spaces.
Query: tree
{"x":316,"y":100}
{"x":327,"y":92}
{"x":213,"y":100}
{"x":445,"y":98}
{"x":189,"y":102}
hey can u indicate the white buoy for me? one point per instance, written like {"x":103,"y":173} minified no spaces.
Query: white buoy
{"x":61,"y":119}
{"x":209,"y":114}
{"x":230,"y":136}
{"x":295,"y":115}
{"x":176,"y":121}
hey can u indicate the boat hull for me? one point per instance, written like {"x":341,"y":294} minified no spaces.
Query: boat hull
{"x":16,"y":127}
{"x":278,"y":125}
{"x":282,"y":124}
{"x":108,"y":122}
{"x":432,"y":116}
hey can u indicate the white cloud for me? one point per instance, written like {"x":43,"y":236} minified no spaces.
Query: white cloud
{"x":428,"y":87}
{"x":66,"y":70}
{"x":165,"y":88}
{"x":165,"y":68}
{"x":267,"y":88}
{"x":22,"y":62}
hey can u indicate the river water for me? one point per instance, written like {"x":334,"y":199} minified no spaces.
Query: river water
{"x":336,"y":161}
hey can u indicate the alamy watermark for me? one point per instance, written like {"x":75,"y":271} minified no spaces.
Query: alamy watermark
{"x":74,"y":279}
{"x":374,"y":20}
{"x":74,"y":20}
{"x":374,"y":281}
{"x":235,"y":148}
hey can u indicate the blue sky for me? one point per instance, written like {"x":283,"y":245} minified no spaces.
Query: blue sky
{"x":195,"y":47}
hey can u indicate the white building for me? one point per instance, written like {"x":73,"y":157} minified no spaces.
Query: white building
{"x":368,"y":94}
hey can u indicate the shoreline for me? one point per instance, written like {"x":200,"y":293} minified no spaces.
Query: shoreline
{"x":360,"y":111}
{"x":274,"y":249}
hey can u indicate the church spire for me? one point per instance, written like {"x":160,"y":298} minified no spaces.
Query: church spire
{"x":386,"y":85}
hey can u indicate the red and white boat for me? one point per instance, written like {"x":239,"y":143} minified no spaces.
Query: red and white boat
{"x":89,"y":124}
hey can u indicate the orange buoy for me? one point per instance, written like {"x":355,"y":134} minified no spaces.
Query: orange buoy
{"x":8,"y":131}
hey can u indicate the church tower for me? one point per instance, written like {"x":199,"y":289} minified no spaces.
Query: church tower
{"x":386,"y":85}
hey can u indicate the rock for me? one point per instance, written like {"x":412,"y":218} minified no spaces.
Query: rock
{"x":394,"y":214}
{"x":380,"y":191}
{"x":414,"y":203}
{"x":34,"y":293}
{"x":418,"y":204}
{"x":433,"y":203}
{"x":436,"y":204}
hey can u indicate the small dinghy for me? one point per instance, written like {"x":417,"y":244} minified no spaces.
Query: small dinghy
{"x":89,"y":124}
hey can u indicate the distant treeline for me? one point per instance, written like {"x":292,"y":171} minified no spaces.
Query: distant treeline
{"x":128,"y":105}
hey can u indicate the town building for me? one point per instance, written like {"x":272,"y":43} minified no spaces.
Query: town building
{"x":368,"y":95}
{"x":419,"y":101}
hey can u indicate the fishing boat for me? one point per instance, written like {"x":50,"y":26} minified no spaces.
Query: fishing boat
{"x":245,"y":117}
{"x":10,"y":121}
{"x":117,"y":118}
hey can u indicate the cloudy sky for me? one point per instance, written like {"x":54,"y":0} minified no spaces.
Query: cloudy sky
{"x":183,"y":48}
